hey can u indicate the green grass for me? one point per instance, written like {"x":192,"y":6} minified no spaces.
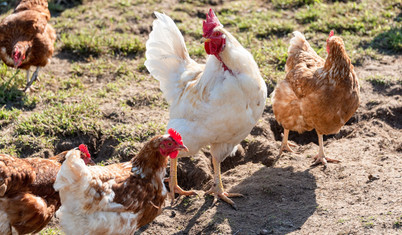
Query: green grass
{"x":95,"y":43}
{"x":390,"y":40}
{"x":60,"y":120}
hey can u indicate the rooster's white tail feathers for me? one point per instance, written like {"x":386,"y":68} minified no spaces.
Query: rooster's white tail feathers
{"x":167,"y":55}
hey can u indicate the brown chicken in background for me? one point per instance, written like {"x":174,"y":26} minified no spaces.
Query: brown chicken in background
{"x":316,"y":93}
{"x":26,"y":38}
{"x":27,"y":198}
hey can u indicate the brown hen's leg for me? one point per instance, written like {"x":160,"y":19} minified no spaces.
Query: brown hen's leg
{"x":285,"y":144}
{"x":173,"y":186}
{"x":33,"y":78}
{"x":217,"y":189}
{"x":320,"y":157}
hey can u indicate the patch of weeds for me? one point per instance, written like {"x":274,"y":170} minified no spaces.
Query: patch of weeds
{"x":11,"y":94}
{"x":27,"y":145}
{"x":125,"y":44}
{"x":378,"y":80}
{"x":368,"y":222}
{"x":308,"y":15}
{"x":341,"y":221}
{"x":50,"y":231}
{"x":96,"y":42}
{"x":196,"y":50}
{"x":398,"y":223}
{"x":8,"y":116}
{"x":72,"y":82}
{"x":141,"y":67}
{"x":390,"y":40}
{"x":146,"y":99}
{"x":84,"y":44}
{"x":278,"y":28}
{"x":286,"y":4}
{"x":60,"y":119}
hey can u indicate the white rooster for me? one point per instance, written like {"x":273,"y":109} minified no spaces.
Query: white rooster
{"x":216,"y":103}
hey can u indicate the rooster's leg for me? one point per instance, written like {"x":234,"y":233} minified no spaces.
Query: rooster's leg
{"x":217,"y":189}
{"x":33,"y":78}
{"x":320,"y":157}
{"x":285,"y":144}
{"x":173,"y":186}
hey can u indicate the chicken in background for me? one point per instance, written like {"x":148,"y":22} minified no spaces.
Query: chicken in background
{"x":316,"y":93}
{"x":26,"y":38}
{"x":217,"y":103}
{"x":27,"y":197}
{"x":118,"y":198}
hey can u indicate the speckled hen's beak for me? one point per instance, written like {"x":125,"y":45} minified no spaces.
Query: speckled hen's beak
{"x":182,"y":147}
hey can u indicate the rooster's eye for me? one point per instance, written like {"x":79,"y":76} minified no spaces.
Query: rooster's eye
{"x":216,"y":34}
{"x":170,"y":144}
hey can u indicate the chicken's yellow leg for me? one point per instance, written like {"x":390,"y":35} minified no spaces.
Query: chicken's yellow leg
{"x":217,"y":189}
{"x":285,"y":143}
{"x":173,"y":186}
{"x":320,"y":157}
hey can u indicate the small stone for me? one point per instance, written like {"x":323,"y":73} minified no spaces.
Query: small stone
{"x":373,"y":177}
{"x":173,"y":214}
{"x":263,"y":232}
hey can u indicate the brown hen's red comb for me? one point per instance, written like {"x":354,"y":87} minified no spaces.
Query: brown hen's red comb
{"x":209,"y":24}
{"x":331,"y":33}
{"x":175,"y":135}
{"x":16,"y":53}
{"x":83,"y":148}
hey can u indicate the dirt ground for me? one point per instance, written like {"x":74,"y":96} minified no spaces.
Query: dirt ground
{"x":286,"y":195}
{"x":360,"y":195}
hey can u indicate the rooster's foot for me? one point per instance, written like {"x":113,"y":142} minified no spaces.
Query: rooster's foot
{"x":224,"y":196}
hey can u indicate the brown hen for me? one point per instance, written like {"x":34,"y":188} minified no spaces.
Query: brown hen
{"x":316,"y":93}
{"x":27,"y":198}
{"x":26,"y":38}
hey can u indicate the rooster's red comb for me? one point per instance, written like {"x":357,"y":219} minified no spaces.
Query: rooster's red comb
{"x":175,"y":135}
{"x":83,"y":148}
{"x":209,"y":24}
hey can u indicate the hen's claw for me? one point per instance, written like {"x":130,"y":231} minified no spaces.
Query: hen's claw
{"x":323,"y":160}
{"x":285,"y":146}
{"x":33,"y":78}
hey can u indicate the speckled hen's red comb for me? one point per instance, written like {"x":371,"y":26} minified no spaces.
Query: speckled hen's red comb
{"x":83,"y":148}
{"x":331,"y":33}
{"x":209,"y":24}
{"x":175,"y":135}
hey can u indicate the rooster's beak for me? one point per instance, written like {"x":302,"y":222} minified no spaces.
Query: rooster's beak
{"x":207,"y":40}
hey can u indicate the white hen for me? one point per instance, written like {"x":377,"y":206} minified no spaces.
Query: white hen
{"x":215,"y":104}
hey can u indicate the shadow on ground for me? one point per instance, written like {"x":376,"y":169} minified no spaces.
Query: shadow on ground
{"x":278,"y":200}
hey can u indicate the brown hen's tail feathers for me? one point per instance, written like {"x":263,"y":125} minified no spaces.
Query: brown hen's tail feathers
{"x":297,"y":43}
